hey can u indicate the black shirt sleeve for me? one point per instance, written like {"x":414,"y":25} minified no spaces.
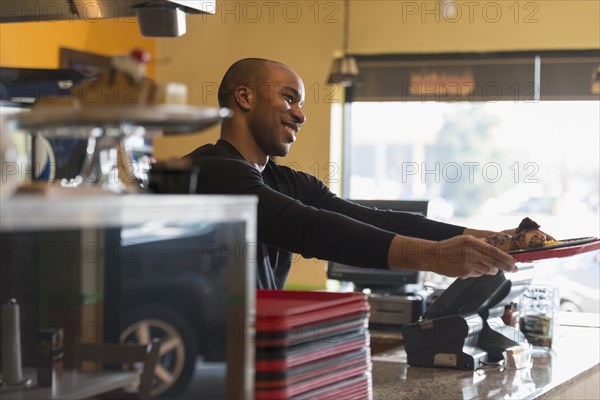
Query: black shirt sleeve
{"x":315,"y":193}
{"x":297,"y":212}
{"x":287,"y":223}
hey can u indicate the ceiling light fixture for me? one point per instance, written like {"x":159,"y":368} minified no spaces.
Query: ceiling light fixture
{"x":344,"y":70}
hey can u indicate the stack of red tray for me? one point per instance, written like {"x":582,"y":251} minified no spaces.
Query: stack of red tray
{"x":312,"y":345}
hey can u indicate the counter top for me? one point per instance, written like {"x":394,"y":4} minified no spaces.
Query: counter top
{"x":574,"y":359}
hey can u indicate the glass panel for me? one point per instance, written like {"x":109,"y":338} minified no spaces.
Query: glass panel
{"x":483,"y":165}
{"x":134,"y":268}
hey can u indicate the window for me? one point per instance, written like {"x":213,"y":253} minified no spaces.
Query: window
{"x":485,"y":164}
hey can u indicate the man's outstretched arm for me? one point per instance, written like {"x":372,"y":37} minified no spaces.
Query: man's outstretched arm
{"x":461,"y":256}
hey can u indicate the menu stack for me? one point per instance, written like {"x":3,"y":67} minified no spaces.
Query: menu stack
{"x":312,"y":345}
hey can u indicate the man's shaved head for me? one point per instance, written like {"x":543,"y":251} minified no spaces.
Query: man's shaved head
{"x":266,"y":98}
{"x":250,"y":72}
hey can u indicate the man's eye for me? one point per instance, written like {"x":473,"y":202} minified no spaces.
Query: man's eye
{"x":288,"y":98}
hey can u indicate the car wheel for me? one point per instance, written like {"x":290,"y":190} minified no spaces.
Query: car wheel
{"x":566,"y":305}
{"x":178,"y":350}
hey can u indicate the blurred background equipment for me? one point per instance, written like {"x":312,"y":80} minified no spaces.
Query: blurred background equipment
{"x":157,"y":18}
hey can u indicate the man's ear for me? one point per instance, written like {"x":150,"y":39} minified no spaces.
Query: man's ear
{"x":245,"y":97}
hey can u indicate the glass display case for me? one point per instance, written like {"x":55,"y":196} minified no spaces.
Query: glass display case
{"x":126,"y":268}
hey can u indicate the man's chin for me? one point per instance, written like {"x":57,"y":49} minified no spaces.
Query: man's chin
{"x":283,"y":151}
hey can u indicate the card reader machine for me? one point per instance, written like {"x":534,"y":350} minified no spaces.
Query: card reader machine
{"x":463,"y":328}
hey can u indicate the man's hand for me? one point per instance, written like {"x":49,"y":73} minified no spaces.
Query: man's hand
{"x":466,"y":256}
{"x":461,"y":256}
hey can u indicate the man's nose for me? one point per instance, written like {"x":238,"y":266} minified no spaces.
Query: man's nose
{"x":298,"y":115}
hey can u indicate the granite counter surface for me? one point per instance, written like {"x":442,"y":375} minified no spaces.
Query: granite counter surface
{"x":574,"y":358}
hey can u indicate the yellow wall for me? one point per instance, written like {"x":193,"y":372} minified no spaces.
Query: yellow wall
{"x":36,"y":44}
{"x":305,"y":34}
{"x":382,"y":26}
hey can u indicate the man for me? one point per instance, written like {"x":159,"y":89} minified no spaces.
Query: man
{"x":297,"y":213}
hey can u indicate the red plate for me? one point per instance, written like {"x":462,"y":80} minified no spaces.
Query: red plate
{"x":567,"y":248}
{"x":324,"y":381}
{"x":285,"y":310}
{"x":358,"y":388}
{"x":317,"y":353}
{"x":285,"y":303}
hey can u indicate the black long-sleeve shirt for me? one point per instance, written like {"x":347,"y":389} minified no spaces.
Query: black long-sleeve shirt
{"x":297,"y":213}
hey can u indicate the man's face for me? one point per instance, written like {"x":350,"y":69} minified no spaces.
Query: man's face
{"x":276,"y":116}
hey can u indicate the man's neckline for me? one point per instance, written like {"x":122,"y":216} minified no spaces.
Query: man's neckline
{"x":231,"y":147}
